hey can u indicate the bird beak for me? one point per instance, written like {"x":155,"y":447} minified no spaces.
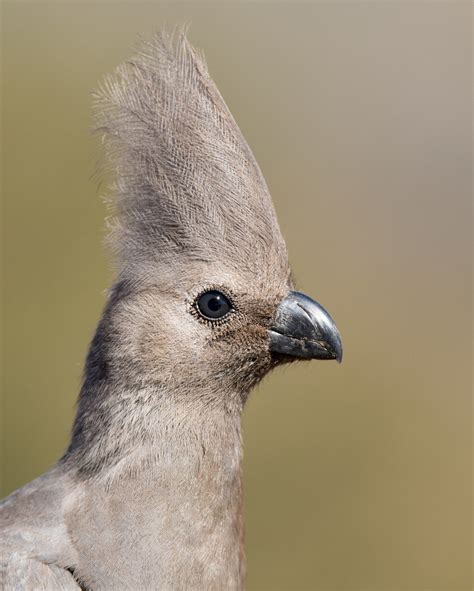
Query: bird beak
{"x":302,"y":328}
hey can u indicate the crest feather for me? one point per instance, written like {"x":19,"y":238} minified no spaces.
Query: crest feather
{"x":186,"y":181}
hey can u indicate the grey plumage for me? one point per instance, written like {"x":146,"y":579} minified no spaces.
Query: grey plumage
{"x":188,"y":186}
{"x":148,"y":494}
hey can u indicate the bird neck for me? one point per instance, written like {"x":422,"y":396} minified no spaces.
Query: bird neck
{"x":174,"y":467}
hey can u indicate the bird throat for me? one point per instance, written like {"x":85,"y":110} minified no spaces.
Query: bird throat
{"x":171,"y":476}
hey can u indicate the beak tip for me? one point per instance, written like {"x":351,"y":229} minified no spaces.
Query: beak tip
{"x":338,"y":350}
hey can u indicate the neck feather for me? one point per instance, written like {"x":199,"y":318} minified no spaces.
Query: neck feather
{"x":175,"y":469}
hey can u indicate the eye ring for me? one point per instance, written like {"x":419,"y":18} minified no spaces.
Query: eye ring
{"x":213,"y":305}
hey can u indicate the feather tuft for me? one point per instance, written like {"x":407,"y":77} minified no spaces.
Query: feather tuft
{"x":186,"y":181}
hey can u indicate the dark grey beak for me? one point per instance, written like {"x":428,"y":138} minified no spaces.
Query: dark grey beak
{"x":302,"y":328}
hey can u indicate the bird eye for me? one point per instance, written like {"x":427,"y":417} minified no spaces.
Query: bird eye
{"x":213,"y":305}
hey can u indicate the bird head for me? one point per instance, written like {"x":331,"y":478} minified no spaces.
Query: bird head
{"x":204,"y":294}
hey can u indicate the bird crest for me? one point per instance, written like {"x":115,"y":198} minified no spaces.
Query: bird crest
{"x":187,"y":183}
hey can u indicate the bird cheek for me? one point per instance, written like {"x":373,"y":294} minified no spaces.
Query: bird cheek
{"x":254,"y":348}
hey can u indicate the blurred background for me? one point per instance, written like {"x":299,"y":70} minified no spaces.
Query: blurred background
{"x":358,"y":476}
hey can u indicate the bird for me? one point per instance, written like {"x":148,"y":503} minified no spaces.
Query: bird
{"x":148,"y":494}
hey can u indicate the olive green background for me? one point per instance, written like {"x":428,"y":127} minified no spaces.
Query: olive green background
{"x":357,"y":476}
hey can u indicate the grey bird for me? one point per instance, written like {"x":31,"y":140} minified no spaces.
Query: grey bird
{"x":148,"y":495}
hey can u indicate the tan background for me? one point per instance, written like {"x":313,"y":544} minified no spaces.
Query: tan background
{"x":357,"y":476}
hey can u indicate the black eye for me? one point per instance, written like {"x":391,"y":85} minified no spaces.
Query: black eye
{"x":213,"y":305}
